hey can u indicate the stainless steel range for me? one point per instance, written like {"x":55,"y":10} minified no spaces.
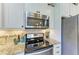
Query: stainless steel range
{"x":34,"y":41}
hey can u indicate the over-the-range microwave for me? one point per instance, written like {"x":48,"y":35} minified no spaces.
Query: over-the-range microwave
{"x":36,"y":22}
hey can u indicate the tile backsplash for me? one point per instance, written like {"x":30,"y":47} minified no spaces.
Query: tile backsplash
{"x":7,"y":36}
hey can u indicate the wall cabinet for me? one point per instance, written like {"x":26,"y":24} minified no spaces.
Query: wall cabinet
{"x":74,"y":10}
{"x":68,"y":9}
{"x":13,"y":15}
{"x":64,"y":9}
{"x":0,"y":15}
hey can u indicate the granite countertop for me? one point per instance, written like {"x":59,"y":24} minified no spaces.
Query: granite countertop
{"x":11,"y":49}
{"x":52,"y":41}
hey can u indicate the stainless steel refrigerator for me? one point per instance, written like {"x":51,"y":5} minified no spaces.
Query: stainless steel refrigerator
{"x":70,"y":35}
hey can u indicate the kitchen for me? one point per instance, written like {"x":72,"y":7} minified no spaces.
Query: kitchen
{"x":38,"y":23}
{"x":22,"y":23}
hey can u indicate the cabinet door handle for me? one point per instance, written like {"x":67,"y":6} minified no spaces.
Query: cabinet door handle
{"x":57,"y":52}
{"x":57,"y":47}
{"x":22,"y":26}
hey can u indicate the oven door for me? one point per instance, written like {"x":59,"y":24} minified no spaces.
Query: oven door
{"x":46,"y":51}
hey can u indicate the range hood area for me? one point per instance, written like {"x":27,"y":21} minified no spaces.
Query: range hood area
{"x":36,"y":20}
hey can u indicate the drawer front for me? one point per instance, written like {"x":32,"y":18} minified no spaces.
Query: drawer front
{"x":48,"y":51}
{"x":57,"y":53}
{"x":57,"y":46}
{"x":57,"y":49}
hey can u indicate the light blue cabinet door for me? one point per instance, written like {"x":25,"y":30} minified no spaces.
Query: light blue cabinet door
{"x":13,"y":15}
{"x":0,"y":15}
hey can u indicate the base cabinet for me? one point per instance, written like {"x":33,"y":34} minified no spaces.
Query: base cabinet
{"x":57,"y":49}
